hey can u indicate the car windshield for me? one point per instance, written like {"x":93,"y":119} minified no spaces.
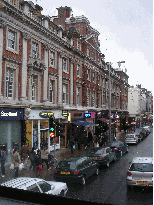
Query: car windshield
{"x":67,"y":164}
{"x":113,"y":143}
{"x":97,"y":151}
{"x":130,"y":136}
{"x":142,"y":167}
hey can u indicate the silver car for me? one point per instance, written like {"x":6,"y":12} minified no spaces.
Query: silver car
{"x":140,"y":172}
{"x":131,"y":138}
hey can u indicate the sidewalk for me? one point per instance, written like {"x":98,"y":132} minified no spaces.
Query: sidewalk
{"x":48,"y":174}
{"x":45,"y":174}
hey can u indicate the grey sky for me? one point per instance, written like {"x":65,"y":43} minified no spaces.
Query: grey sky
{"x":128,"y":27}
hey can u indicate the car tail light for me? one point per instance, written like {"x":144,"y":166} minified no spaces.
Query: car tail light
{"x":76,"y":172}
{"x":101,"y":157}
{"x":134,"y":138}
{"x":55,"y":171}
{"x":115,"y":148}
{"x":129,"y":173}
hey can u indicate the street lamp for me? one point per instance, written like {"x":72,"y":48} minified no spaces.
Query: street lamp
{"x":109,"y":102}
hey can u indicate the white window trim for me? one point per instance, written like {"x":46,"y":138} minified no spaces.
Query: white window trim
{"x":15,"y":68}
{"x":80,"y":95}
{"x":67,"y":92}
{"x":39,"y":87}
{"x":67,"y":65}
{"x":55,"y":59}
{"x":39,"y":49}
{"x":89,"y":76}
{"x":16,"y":49}
{"x":79,"y":70}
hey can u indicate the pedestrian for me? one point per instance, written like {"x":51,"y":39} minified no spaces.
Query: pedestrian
{"x":85,"y":142}
{"x":79,"y":141}
{"x":44,"y":157}
{"x":2,"y":159}
{"x":101,"y":141}
{"x":72,"y":144}
{"x":38,"y":163}
{"x":16,"y":161}
{"x":25,"y":151}
{"x":32,"y":156}
{"x":89,"y":138}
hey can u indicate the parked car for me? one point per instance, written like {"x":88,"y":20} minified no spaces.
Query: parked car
{"x":38,"y":185}
{"x":131,"y":139}
{"x":147,"y":128}
{"x":75,"y":169}
{"x":118,"y":147}
{"x":103,"y":156}
{"x":137,"y":133}
{"x":142,"y":132}
{"x":140,"y":172}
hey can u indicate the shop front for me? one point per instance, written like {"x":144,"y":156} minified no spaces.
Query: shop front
{"x":11,"y":130}
{"x":37,"y":129}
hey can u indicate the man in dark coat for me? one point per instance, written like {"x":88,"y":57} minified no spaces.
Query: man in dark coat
{"x":79,"y":142}
{"x":71,"y":144}
{"x":2,"y":159}
{"x":90,"y":137}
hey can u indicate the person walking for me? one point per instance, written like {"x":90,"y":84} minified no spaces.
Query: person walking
{"x":38,"y":163}
{"x":85,"y":142}
{"x":2,"y":159}
{"x":44,"y":157}
{"x":89,"y":138}
{"x":71,"y":144}
{"x":25,"y":151}
{"x":79,"y":142}
{"x":16,"y":161}
{"x":100,"y":141}
{"x":32,"y":156}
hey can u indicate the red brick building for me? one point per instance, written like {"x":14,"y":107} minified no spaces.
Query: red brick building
{"x":51,"y":65}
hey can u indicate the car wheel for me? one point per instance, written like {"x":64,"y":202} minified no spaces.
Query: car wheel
{"x":121,"y":153}
{"x":62,"y":193}
{"x":108,"y":164}
{"x":97,"y":171}
{"x":83,"y":180}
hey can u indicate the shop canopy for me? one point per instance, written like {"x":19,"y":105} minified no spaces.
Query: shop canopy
{"x":85,"y":123}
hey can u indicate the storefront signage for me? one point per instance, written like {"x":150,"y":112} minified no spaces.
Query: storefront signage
{"x":11,"y":114}
{"x":65,"y":114}
{"x":77,"y":114}
{"x":87,"y":115}
{"x":45,"y":114}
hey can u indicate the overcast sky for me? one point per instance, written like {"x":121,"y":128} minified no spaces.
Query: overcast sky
{"x":126,"y":32}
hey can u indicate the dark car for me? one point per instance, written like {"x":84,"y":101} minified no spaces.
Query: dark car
{"x":75,"y":169}
{"x":118,"y":147}
{"x":103,"y":156}
{"x":141,"y":132}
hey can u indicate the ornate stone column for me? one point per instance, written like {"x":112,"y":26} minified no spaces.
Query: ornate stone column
{"x":45,"y":76}
{"x":23,"y":97}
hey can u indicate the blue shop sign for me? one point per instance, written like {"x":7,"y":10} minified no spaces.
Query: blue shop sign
{"x":45,"y":114}
{"x":11,"y":114}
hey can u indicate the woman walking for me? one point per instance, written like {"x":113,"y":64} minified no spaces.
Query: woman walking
{"x":16,"y":161}
{"x":38,"y":163}
{"x":32,"y":156}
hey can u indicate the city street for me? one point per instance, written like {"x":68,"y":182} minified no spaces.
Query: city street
{"x":110,"y":185}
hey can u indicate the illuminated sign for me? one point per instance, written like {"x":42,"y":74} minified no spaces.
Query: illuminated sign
{"x":11,"y":114}
{"x":87,"y":115}
{"x":65,"y":114}
{"x":45,"y":114}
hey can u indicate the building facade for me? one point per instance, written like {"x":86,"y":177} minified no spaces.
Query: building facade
{"x":49,"y":65}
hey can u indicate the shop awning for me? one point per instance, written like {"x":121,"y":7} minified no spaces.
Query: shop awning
{"x":85,"y":123}
{"x":104,"y":120}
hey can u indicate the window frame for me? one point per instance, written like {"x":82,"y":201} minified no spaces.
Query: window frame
{"x":66,"y":70}
{"x":16,"y":40}
{"x":66,"y":94}
{"x":36,"y":88}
